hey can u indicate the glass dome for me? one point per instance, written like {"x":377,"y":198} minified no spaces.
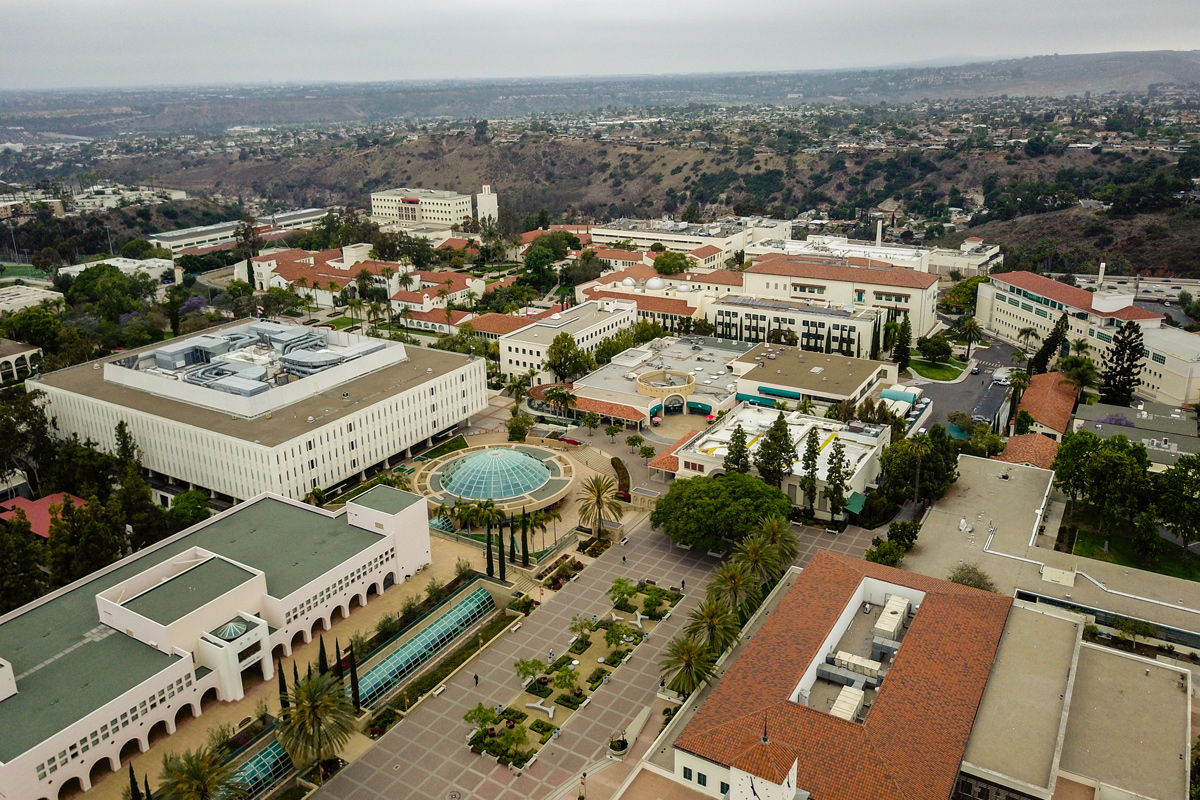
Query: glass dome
{"x":495,"y":474}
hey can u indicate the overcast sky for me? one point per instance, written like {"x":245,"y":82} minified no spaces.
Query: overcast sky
{"x":81,"y":43}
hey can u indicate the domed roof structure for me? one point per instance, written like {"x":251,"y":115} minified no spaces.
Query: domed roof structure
{"x":628,"y":282}
{"x":655,"y":283}
{"x":495,"y":474}
{"x":231,"y":630}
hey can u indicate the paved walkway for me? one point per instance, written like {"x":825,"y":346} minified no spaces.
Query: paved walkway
{"x":425,"y":756}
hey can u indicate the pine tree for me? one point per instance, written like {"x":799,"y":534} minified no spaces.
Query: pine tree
{"x":835,"y":481}
{"x":354,"y":692}
{"x":808,"y":481}
{"x":322,"y":658}
{"x":283,"y":690}
{"x":1122,"y":366}
{"x":829,"y":340}
{"x":737,"y":458}
{"x":21,"y":578}
{"x":775,"y":454}
{"x":900,"y":350}
{"x":135,"y":791}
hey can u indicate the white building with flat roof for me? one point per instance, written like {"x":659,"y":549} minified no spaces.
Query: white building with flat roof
{"x":226,"y":232}
{"x":972,"y":257}
{"x":156,"y":268}
{"x":263,"y":406}
{"x":421,"y":206}
{"x":730,"y":235}
{"x":17,"y":298}
{"x":588,"y":323}
{"x":93,"y":673}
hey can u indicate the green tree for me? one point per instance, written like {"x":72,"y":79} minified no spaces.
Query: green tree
{"x":634,"y":441}
{"x":528,"y":669}
{"x":737,"y":457}
{"x":836,"y":476}
{"x":808,"y":477}
{"x":904,"y":534}
{"x":1180,"y":483}
{"x":671,"y":263}
{"x":591,"y":421}
{"x":1027,"y":334}
{"x":1070,"y":462}
{"x":611,"y":432}
{"x":647,"y":452}
{"x":713,"y":624}
{"x":971,"y":332}
{"x":616,"y":634}
{"x":759,"y":558}
{"x":1025,"y":422}
{"x":128,"y":451}
{"x":687,"y":665}
{"x":934,"y":349}
{"x":135,"y":502}
{"x":901,"y":352}
{"x":733,"y":584}
{"x":189,"y":508}
{"x":970,"y":574}
{"x":25,"y":440}
{"x":1051,"y":345}
{"x":318,"y":722}
{"x":622,"y":589}
{"x":779,"y":534}
{"x":200,"y":774}
{"x":776,"y":453}
{"x":21,"y":578}
{"x":1146,"y":540}
{"x":598,"y":504}
{"x":1122,"y":366}
{"x":82,"y":540}
{"x":566,"y":359}
{"x":481,"y":716}
{"x":1117,"y":478}
{"x":888,"y":553}
{"x":713,"y":514}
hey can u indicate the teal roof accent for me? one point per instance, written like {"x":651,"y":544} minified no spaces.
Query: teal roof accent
{"x":898,"y":394}
{"x":495,"y":473}
{"x":854,"y":504}
{"x":387,"y":499}
{"x":179,"y":596}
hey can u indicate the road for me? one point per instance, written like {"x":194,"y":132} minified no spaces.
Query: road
{"x":963,"y":396}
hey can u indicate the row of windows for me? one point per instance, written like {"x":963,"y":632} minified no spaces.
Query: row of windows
{"x":799,"y":289}
{"x":109,"y":729}
{"x":702,"y":780}
{"x":339,"y":586}
{"x":891,"y":298}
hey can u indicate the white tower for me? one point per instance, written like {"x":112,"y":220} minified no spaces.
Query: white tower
{"x":487,"y":204}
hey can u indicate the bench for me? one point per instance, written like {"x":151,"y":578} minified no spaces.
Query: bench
{"x":625,"y":541}
{"x":515,"y":628}
{"x":439,"y":690}
{"x":638,"y":621}
{"x":615,"y":618}
{"x":538,"y":705}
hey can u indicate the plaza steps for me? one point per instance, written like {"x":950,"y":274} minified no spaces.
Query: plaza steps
{"x":594,"y":458}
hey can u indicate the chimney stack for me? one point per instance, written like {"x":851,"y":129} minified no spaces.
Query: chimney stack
{"x":879,"y":233}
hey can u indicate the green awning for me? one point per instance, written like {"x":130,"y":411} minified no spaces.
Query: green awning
{"x":855,"y":504}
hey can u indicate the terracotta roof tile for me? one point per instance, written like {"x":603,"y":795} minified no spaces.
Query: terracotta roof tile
{"x":724,"y":277}
{"x":667,"y":460}
{"x":1029,"y":448}
{"x":647,"y":302}
{"x":38,"y":511}
{"x":704,"y":251}
{"x":911,"y":743}
{"x":1068,"y":295}
{"x":606,"y":409}
{"x":842,"y":269}
{"x":1050,"y":399}
{"x":438,"y":315}
{"x":499,"y":324}
{"x":620,"y":255}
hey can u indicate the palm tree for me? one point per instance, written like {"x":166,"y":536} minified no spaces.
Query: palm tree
{"x":407,"y":281}
{"x":561,"y":399}
{"x":201,"y":774}
{"x":543,"y":519}
{"x":687,"y":665}
{"x":805,"y":406}
{"x":1025,"y":334}
{"x":732,"y":583}
{"x":759,"y":558}
{"x":318,"y":722}
{"x":971,"y":332}
{"x":302,"y":282}
{"x":714,"y":624}
{"x":487,"y":514}
{"x":356,"y":308}
{"x":1080,"y":346}
{"x":517,"y":387}
{"x":406,"y":314}
{"x":598,"y":504}
{"x":779,"y":534}
{"x":921,"y":447}
{"x":1019,"y":358}
{"x":1080,"y":371}
{"x":333,"y":289}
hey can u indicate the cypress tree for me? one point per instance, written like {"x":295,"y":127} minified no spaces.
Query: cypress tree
{"x":283,"y":690}
{"x":900,"y":350}
{"x":135,"y":791}
{"x":337,"y":659}
{"x":491,"y":569}
{"x":1051,"y":345}
{"x":737,"y":457}
{"x":296,"y":675}
{"x":808,"y":481}
{"x":829,"y":340}
{"x":875,"y":341}
{"x":1122,"y":366}
{"x":500,"y":554}
{"x":322,"y":659}
{"x":354,"y":694}
{"x":149,"y":794}
{"x":524,"y":539}
{"x":512,"y":544}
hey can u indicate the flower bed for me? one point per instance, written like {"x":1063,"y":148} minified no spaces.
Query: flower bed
{"x":571,"y":701}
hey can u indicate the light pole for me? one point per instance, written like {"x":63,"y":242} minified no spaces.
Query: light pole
{"x":13,"y":234}
{"x":108,"y":230}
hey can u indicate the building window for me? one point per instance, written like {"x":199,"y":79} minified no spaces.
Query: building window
{"x":701,"y":779}
{"x":687,"y":773}
{"x":724,"y":788}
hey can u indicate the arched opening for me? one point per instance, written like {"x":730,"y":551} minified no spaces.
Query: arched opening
{"x":674,"y":404}
{"x":389,"y":581}
{"x":373,"y":590}
{"x":158,"y":732}
{"x":279,"y":651}
{"x":99,"y":770}
{"x":355,"y":602}
{"x":6,"y":371}
{"x":183,"y":715}
{"x":208,"y":698}
{"x":298,"y":639}
{"x":131,"y":748}
{"x":72,"y":788}
{"x":336,"y":614}
{"x":318,"y":627}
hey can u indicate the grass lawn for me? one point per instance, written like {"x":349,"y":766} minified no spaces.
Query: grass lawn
{"x":341,"y":322}
{"x":936,"y":372}
{"x":23,"y":271}
{"x":1171,"y":560}
{"x":447,"y":447}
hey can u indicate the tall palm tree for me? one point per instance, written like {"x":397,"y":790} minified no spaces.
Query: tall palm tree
{"x":1019,"y":358}
{"x":201,"y":774}
{"x":687,"y":665}
{"x":562,"y":399}
{"x":318,"y":722}
{"x":759,"y":558}
{"x":971,"y":332}
{"x":356,"y":308}
{"x":487,"y":515}
{"x":333,"y":290}
{"x":406,"y":314}
{"x":778,"y":532}
{"x":713,"y":624}
{"x":302,"y":282}
{"x":1018,"y":382}
{"x":517,"y":387}
{"x":541,"y":520}
{"x":920,"y":447}
{"x":598,"y":504}
{"x":407,"y":281}
{"x":732,"y":583}
{"x":1080,"y":371}
{"x":1081,"y":346}
{"x":1026,"y":334}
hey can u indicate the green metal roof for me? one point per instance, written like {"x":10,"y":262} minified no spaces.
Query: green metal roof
{"x":187,"y":591}
{"x":854,"y":504}
{"x":386,"y":499}
{"x":293,"y":545}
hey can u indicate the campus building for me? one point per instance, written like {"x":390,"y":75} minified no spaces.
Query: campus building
{"x":100,"y":669}
{"x":589,"y":324}
{"x":265,"y":406}
{"x":421,"y":206}
{"x":972,"y":257}
{"x":1013,"y":301}
{"x":156,"y":268}
{"x":223,"y":233}
{"x":1167,"y":432}
{"x":17,"y":298}
{"x":730,"y":235}
{"x":869,"y":681}
{"x":17,"y":360}
{"x":862,"y":442}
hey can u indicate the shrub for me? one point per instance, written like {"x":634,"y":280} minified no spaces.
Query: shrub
{"x":888,"y":553}
{"x":463,"y":569}
{"x":622,"y":474}
{"x":435,"y":590}
{"x":570,"y":701}
{"x":538,"y":689}
{"x":411,"y":608}
{"x":581,"y":644}
{"x":971,"y":575}
{"x":388,"y":625}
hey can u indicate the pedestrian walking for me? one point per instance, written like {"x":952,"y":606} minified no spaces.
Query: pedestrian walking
{"x":622,"y":559}
{"x":682,"y":583}
{"x":476,"y":678}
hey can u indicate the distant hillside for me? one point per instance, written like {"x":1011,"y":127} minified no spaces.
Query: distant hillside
{"x":165,"y":111}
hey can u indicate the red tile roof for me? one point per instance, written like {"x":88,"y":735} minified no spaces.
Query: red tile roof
{"x":1050,"y":399}
{"x":1068,"y":295}
{"x":911,"y":743}
{"x":724,"y":277}
{"x":38,"y":511}
{"x":499,"y":324}
{"x":645,"y":302}
{"x":621,"y":255}
{"x":1029,"y":448}
{"x":606,"y":409}
{"x":842,"y":269}
{"x":437,"y":280}
{"x":438,"y":315}
{"x":705,"y":251}
{"x":455,"y":243}
{"x":636,"y":271}
{"x":667,"y":460}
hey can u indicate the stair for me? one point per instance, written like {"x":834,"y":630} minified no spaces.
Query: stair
{"x":594,"y":458}
{"x":526,"y":585}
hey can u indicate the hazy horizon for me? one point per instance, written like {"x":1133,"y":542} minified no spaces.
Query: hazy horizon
{"x":54,"y":45}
